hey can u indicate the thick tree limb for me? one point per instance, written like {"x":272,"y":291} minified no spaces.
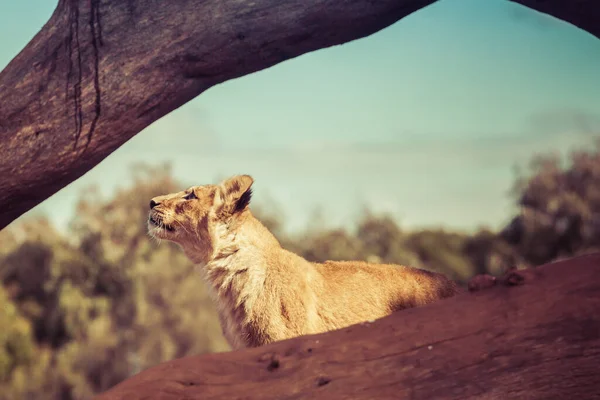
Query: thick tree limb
{"x":102,"y":70}
{"x":584,"y":14}
{"x":539,"y":339}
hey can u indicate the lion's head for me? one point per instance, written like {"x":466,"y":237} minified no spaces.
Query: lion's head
{"x":191,"y":218}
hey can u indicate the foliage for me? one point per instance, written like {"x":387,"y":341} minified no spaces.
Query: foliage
{"x":101,"y":303}
{"x":559,"y":208}
{"x":84,"y":309}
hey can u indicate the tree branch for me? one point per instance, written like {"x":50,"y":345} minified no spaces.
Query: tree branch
{"x":537,"y":339}
{"x":100,"y":71}
{"x":584,"y":14}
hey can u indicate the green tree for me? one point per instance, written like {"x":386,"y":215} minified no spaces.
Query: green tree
{"x":102,"y":301}
{"x":559,"y":202}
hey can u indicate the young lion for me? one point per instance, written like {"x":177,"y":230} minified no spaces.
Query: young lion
{"x":265,"y":293}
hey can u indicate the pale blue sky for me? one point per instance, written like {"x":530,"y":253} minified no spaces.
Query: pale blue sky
{"x":425,"y":119}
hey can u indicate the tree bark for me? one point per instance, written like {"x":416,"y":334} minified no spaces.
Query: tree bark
{"x":584,"y":14}
{"x":100,"y":71}
{"x":535,"y":336}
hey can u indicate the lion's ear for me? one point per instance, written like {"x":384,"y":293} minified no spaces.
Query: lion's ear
{"x":234,"y":194}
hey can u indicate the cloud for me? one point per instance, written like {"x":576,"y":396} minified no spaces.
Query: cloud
{"x":561,"y":120}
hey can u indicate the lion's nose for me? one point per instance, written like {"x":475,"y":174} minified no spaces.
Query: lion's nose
{"x":153,"y":204}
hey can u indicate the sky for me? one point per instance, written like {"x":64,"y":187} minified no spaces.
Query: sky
{"x":424,"y":120}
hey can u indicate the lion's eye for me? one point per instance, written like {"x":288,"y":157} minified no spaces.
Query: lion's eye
{"x":190,"y":196}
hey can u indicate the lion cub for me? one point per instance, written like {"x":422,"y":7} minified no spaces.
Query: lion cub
{"x":265,"y":293}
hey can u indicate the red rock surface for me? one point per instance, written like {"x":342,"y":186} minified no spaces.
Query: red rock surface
{"x":534,"y":334}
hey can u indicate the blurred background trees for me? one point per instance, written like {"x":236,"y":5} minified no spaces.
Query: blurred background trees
{"x":84,"y":309}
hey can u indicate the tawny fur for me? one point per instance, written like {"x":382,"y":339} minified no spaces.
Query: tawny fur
{"x":265,"y":293}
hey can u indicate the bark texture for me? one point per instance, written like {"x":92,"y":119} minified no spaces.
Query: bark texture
{"x":584,"y":14}
{"x":533,"y":335}
{"x":100,"y":71}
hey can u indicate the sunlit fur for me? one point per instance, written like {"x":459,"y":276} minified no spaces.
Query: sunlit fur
{"x":265,"y":293}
